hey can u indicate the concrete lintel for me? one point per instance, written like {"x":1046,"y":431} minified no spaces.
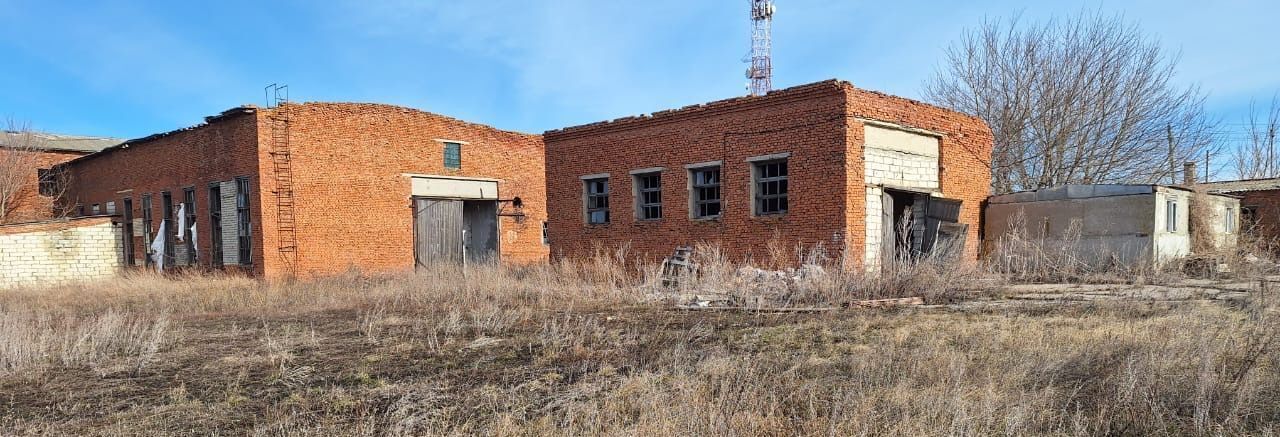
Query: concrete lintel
{"x":594,"y":176}
{"x":648,"y":170}
{"x":888,"y":125}
{"x":457,"y":178}
{"x":441,"y":140}
{"x":704,"y":164}
{"x":770,"y":157}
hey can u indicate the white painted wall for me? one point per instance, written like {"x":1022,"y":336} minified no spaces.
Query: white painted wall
{"x":50,"y":257}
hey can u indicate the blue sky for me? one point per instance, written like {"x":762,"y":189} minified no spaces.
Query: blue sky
{"x":132,"y":68}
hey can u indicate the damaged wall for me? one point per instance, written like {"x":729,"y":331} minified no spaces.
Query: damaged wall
{"x":48,"y":253}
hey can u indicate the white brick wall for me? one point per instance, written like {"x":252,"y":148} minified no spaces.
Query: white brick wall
{"x":895,"y":159}
{"x":60,"y":256}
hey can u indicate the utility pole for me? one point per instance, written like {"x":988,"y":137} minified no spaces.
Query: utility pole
{"x":1173,"y":168}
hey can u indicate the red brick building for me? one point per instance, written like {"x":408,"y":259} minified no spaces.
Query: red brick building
{"x":321,"y":188}
{"x":1259,"y":208}
{"x":31,"y":155}
{"x":820,"y":163}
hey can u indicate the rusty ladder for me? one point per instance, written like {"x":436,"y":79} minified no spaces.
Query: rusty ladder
{"x":281,"y":161}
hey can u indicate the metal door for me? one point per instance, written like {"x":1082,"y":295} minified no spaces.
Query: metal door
{"x":938,"y":211}
{"x":437,"y":231}
{"x":888,"y":235}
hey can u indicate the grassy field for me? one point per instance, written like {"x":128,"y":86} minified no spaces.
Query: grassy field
{"x":581,"y":350}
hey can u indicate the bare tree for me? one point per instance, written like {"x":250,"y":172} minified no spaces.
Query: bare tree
{"x":1082,"y":100}
{"x":20,"y":196}
{"x":1258,"y":158}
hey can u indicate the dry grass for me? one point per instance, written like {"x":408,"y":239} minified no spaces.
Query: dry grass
{"x":578,"y":349}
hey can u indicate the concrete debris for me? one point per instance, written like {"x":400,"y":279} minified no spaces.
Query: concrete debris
{"x":888,"y":303}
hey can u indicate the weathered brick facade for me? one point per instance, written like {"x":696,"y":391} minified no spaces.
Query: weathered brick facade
{"x":819,"y":130}
{"x":350,"y":165}
{"x":28,"y":205}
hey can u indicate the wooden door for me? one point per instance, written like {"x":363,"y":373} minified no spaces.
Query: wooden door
{"x":437,"y":231}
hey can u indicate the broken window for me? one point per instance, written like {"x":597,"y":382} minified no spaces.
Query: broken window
{"x":1229,"y":220}
{"x":649,"y":196}
{"x":146,"y":228}
{"x":597,"y":200}
{"x":127,"y":244}
{"x":189,"y":209}
{"x":545,"y":240}
{"x":166,"y":205}
{"x":1171,"y":215}
{"x":49,"y":185}
{"x":244,"y":233}
{"x":452,"y":155}
{"x":706,"y":192}
{"x":95,"y":209}
{"x":215,"y":224}
{"x":771,"y":187}
{"x":111,"y":208}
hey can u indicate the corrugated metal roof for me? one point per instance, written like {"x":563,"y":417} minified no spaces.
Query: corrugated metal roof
{"x":59,"y":142}
{"x":1243,"y":185}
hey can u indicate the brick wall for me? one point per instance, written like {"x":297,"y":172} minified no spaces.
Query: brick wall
{"x":1265,"y":205}
{"x":222,"y":150}
{"x":806,"y":122}
{"x":964,"y":148}
{"x":28,"y":204}
{"x":354,"y":200}
{"x":817,"y":123}
{"x":48,"y":253}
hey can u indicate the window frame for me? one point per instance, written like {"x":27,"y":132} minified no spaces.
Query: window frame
{"x":1171,"y":215}
{"x":189,"y":209}
{"x":696,"y":188}
{"x":147,"y":233}
{"x":244,"y":221}
{"x":759,"y":181}
{"x":1229,"y":220}
{"x":47,"y":180}
{"x":215,"y":224}
{"x":456,"y":147}
{"x":643,"y":206}
{"x":588,"y":196}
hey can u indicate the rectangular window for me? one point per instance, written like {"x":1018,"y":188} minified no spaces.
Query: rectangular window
{"x":243,"y":230}
{"x":1171,"y":215}
{"x":189,"y":209}
{"x":95,"y":209}
{"x":648,"y":196}
{"x":452,"y":155}
{"x":49,"y":186}
{"x":771,"y":187}
{"x":170,"y":227}
{"x":127,"y":243}
{"x":597,"y":200}
{"x":545,"y":240}
{"x":111,"y":208}
{"x":706,"y":192}
{"x":146,"y":228}
{"x":1229,"y":220}
{"x":215,"y":224}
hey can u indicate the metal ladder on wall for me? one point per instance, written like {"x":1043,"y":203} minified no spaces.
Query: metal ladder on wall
{"x":281,"y":161}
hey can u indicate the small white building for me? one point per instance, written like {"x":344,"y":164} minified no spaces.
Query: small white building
{"x":1126,"y":223}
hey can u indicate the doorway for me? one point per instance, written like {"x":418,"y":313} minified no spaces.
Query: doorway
{"x":916,"y":225}
{"x":453,"y":231}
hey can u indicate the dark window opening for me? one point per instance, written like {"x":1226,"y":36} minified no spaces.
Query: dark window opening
{"x":146,"y":229}
{"x":127,"y":239}
{"x":597,"y":200}
{"x":243,"y":230}
{"x":215,"y":224}
{"x":166,"y":203}
{"x":706,"y":192}
{"x":49,"y":184}
{"x":649,"y":196}
{"x":189,"y":208}
{"x":771,"y":187}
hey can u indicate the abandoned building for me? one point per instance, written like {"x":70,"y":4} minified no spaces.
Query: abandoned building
{"x":319,"y":188}
{"x":32,"y":155}
{"x":824,"y":163}
{"x":1259,"y":207}
{"x":1130,"y":224}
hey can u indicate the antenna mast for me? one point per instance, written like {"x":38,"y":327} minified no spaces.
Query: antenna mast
{"x":761,"y":70}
